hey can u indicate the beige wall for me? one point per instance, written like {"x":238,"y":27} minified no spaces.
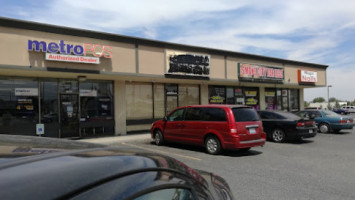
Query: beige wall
{"x":232,"y":68}
{"x":120,"y":107}
{"x":291,"y":75}
{"x":217,"y":67}
{"x":16,"y":41}
{"x":151,"y":60}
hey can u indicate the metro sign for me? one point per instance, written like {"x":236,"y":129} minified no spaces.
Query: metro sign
{"x":71,"y":53}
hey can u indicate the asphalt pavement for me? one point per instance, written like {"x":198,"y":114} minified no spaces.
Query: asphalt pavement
{"x":118,"y":139}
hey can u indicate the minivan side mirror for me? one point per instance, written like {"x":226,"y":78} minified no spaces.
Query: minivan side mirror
{"x":165,"y":118}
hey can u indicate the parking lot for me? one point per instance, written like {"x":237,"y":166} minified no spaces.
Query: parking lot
{"x":316,"y":168}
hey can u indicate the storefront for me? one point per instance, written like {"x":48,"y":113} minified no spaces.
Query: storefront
{"x":64,"y":82}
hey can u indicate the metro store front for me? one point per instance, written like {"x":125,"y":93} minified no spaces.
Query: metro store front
{"x":66,"y":82}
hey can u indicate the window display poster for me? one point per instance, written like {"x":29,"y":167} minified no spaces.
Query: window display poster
{"x":270,"y":102}
{"x":217,"y":95}
{"x":238,"y":92}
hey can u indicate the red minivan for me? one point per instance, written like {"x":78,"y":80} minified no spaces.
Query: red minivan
{"x":216,"y":127}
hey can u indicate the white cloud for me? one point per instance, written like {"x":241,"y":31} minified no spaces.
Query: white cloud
{"x":304,"y":30}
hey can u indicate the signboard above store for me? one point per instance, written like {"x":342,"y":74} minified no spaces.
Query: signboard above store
{"x":307,"y":76}
{"x":85,"y":53}
{"x":187,"y":65}
{"x":259,"y":73}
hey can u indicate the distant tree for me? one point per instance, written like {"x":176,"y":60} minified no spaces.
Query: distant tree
{"x":337,"y":105}
{"x":333,"y":99}
{"x":318,"y":100}
{"x":306,"y":104}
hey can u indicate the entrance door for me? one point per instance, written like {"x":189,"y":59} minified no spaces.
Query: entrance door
{"x":69,"y":119}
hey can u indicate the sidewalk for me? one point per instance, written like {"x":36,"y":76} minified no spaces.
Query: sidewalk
{"x":118,"y":139}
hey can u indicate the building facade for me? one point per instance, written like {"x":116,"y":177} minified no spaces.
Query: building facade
{"x":66,"y":82}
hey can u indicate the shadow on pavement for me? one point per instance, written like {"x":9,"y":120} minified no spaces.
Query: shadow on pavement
{"x":230,"y":153}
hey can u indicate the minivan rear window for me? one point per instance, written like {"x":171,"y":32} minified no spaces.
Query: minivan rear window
{"x":245,"y":114}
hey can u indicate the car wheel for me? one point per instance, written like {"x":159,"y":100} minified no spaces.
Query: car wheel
{"x":158,"y":138}
{"x":213,"y":145}
{"x":278,"y":135}
{"x":323,"y":128}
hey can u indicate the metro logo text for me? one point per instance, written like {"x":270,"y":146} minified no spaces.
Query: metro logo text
{"x":80,"y":50}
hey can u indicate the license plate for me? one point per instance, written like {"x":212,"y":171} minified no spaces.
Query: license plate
{"x":310,"y":131}
{"x":252,"y":131}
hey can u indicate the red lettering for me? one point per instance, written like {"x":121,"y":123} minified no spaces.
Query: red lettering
{"x":98,"y":50}
{"x":88,"y":48}
{"x":107,"y":51}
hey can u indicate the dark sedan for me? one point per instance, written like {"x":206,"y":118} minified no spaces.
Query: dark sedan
{"x":281,"y":125}
{"x":99,"y":173}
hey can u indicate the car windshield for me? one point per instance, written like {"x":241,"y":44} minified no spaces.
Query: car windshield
{"x":329,"y":113}
{"x":245,"y":114}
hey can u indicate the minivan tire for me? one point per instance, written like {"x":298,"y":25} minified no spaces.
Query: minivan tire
{"x":213,"y":145}
{"x":278,"y":135}
{"x":158,"y":138}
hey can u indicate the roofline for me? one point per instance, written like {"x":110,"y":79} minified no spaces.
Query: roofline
{"x":36,"y":26}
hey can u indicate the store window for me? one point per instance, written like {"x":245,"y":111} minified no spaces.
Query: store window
{"x":159,"y":101}
{"x":294,"y":100}
{"x":96,"y":107}
{"x":171,"y":93}
{"x":189,"y":95}
{"x":252,"y":97}
{"x":139,"y":105}
{"x":181,"y":95}
{"x":49,"y":107}
{"x":270,"y":99}
{"x":18,"y":106}
{"x":230,"y":95}
{"x":239,"y":97}
{"x":288,"y":99}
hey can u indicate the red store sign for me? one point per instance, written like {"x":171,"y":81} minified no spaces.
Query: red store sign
{"x":250,"y":71}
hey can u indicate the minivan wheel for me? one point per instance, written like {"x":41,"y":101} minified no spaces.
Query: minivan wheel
{"x":158,"y":138}
{"x":323,"y":128}
{"x":278,"y":135}
{"x":213,"y":145}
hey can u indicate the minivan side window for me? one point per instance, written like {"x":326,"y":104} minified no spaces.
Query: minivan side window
{"x":177,"y":115}
{"x":245,"y":114}
{"x":193,"y":114}
{"x":214,"y":114}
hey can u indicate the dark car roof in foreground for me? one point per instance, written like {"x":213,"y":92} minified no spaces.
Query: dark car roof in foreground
{"x":64,"y":173}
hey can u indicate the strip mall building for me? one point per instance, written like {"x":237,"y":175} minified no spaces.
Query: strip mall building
{"x":66,"y":82}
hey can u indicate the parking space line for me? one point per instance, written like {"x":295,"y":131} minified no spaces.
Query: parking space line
{"x":161,"y":152}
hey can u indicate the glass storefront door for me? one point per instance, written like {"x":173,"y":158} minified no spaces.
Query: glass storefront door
{"x":69,"y":119}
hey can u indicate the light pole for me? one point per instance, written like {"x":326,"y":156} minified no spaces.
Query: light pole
{"x":328,"y":95}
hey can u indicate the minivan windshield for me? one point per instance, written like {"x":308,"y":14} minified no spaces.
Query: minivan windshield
{"x":245,"y":114}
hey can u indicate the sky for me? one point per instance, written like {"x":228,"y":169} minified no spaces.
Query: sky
{"x":315,"y":31}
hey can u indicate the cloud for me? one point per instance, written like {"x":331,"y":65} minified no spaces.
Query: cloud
{"x":317,"y":31}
